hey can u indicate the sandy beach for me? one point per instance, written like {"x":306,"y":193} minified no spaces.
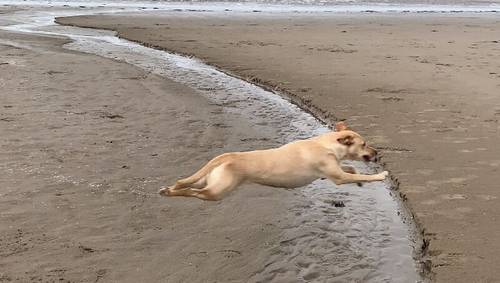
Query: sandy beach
{"x":422,"y":87}
{"x":82,"y":158}
{"x":88,"y":140}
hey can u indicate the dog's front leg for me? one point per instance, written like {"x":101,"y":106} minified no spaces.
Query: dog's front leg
{"x":347,"y":178}
{"x":334,"y":172}
{"x":351,"y":170}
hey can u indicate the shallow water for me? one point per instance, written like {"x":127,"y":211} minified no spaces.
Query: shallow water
{"x":296,"y":6}
{"x":364,"y":241}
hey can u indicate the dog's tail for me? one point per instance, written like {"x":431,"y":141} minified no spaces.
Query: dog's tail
{"x":217,"y":161}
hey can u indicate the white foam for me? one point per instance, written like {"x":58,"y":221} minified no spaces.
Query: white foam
{"x":269,"y":7}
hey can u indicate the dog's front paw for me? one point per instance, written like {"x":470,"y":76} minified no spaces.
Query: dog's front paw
{"x":382,"y":176}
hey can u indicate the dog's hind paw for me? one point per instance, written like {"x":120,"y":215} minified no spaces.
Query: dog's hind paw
{"x":164,"y":191}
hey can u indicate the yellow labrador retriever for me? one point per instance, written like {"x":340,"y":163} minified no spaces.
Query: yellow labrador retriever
{"x":293,"y":165}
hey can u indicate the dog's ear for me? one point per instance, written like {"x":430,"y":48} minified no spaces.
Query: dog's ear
{"x":340,"y":126}
{"x":346,"y":140}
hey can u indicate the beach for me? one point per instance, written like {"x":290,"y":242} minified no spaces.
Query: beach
{"x":92,"y":127}
{"x":82,"y":161}
{"x":423,"y":88}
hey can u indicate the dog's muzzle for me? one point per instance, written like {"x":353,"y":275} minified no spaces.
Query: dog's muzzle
{"x":371,"y":157}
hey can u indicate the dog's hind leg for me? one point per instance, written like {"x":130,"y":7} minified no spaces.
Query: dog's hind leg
{"x":198,"y":179}
{"x":186,"y":192}
{"x":184,"y":183}
{"x":191,"y":183}
{"x":220,"y":181}
{"x":201,"y":183}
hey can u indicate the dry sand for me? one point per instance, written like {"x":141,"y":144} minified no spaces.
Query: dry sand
{"x":86,"y":143}
{"x":423,"y":88}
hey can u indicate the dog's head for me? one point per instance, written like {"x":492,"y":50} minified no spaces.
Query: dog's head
{"x":354,"y":145}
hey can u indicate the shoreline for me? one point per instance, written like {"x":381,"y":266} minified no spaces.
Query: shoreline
{"x":436,"y":252}
{"x":370,"y":7}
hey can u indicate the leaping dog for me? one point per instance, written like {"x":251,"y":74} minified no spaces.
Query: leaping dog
{"x":292,"y":165}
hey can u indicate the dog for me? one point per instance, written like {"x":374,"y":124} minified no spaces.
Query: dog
{"x":290,"y":166}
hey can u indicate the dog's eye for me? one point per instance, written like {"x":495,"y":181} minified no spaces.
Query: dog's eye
{"x":364,"y":144}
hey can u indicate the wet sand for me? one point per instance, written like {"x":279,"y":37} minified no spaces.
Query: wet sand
{"x":422,"y":88}
{"x":88,"y":141}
